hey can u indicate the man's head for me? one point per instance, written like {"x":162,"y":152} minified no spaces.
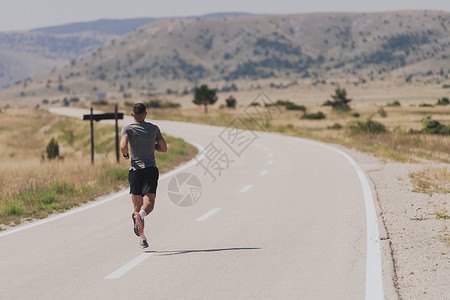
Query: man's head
{"x":139,"y":111}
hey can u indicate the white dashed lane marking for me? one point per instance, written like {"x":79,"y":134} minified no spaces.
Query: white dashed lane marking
{"x":128,"y":266}
{"x":246,"y":188}
{"x":270,"y":162}
{"x":263,"y":172}
{"x":208,"y":214}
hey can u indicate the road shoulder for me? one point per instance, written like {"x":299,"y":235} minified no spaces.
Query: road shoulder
{"x":414,"y":255}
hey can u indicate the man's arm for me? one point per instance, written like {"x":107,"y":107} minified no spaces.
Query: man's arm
{"x":161,"y":145}
{"x":124,"y":146}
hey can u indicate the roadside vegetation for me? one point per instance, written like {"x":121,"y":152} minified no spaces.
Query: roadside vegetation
{"x":36,"y":182}
{"x":395,"y":130}
{"x":46,"y":168}
{"x":431,"y":180}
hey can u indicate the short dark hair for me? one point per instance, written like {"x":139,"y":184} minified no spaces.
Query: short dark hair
{"x":139,"y":108}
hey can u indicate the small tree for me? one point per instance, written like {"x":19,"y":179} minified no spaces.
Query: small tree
{"x":231,"y":102}
{"x":204,"y":96}
{"x":382,"y":112}
{"x":340,"y":100}
{"x":443,"y":101}
{"x":52,"y":149}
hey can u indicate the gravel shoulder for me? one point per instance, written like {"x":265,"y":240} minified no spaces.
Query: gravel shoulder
{"x":415,"y":235}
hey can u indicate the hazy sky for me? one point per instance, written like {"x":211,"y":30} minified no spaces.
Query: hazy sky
{"x":28,"y":14}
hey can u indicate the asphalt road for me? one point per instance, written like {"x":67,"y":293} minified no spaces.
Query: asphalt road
{"x":277,"y":218}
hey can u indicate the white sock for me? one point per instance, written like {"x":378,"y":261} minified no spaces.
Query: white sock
{"x":142,"y":237}
{"x":142,"y":213}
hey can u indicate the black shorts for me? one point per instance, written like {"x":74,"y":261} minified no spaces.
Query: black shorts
{"x":144,"y":181}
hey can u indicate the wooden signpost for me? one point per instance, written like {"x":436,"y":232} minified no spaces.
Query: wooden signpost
{"x":106,"y":116}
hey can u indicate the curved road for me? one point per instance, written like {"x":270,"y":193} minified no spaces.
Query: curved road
{"x":284,"y":218}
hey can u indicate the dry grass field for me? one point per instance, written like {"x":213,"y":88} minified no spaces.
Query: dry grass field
{"x":401,"y":142}
{"x":33,"y":186}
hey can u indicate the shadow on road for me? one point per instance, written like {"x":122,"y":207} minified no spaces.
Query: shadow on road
{"x":177,"y":252}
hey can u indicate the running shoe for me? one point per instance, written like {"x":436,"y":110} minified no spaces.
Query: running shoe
{"x":143,"y":244}
{"x":138,"y":227}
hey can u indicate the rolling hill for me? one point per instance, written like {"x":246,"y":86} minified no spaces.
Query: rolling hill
{"x":28,"y":54}
{"x":172,"y":56}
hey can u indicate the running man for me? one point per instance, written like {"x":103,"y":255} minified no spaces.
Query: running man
{"x":144,"y":138}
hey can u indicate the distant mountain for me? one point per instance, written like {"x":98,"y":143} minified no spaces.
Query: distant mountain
{"x":27,"y":54}
{"x":121,"y":27}
{"x":174,"y":55}
{"x":30,"y":54}
{"x":110,"y":27}
{"x":221,"y":15}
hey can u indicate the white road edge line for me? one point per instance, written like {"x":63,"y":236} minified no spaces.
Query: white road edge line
{"x":374,"y":279}
{"x":246,"y":188}
{"x":109,"y":199}
{"x":263,"y":172}
{"x":128,"y":266}
{"x":208,"y":214}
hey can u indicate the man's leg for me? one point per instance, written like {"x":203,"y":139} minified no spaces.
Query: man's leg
{"x":137,"y":220}
{"x":137,"y":202}
{"x":149,"y":203}
{"x":143,"y":205}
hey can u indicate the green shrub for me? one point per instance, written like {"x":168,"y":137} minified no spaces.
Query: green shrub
{"x":356,"y":115}
{"x":14,"y":208}
{"x":47,"y":196}
{"x":336,"y":126}
{"x":425,"y":105}
{"x":290,"y":105}
{"x":153,"y":104}
{"x":394,"y":104}
{"x":430,"y":126}
{"x":293,"y":106}
{"x":168,"y":104}
{"x":443,"y":101}
{"x":100,"y":102}
{"x":314,"y":116}
{"x":368,"y":126}
{"x":161,"y":104}
{"x":52,"y":149}
{"x":382,"y":113}
{"x":231,"y":102}
{"x":63,"y":188}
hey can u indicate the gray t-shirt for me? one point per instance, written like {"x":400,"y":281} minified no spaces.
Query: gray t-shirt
{"x":142,"y":137}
